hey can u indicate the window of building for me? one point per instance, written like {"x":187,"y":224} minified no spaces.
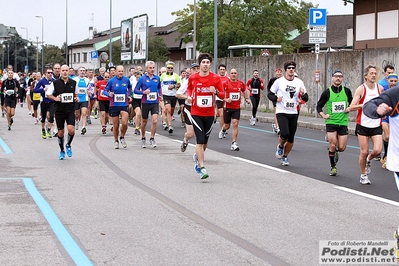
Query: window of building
{"x":74,"y":57}
{"x":190,"y":53}
{"x":84,"y":59}
{"x":78,"y":58}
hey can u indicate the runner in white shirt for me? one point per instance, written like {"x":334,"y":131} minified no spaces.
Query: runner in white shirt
{"x":287,"y":92}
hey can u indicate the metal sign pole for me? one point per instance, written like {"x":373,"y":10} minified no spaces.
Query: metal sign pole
{"x":317,"y":84}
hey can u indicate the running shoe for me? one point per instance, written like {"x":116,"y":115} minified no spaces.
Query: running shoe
{"x":274,"y":127}
{"x":234,"y":146}
{"x":164,"y":126}
{"x":368,"y":166}
{"x":153,"y":143}
{"x":11,"y":120}
{"x":130,"y":121}
{"x":170,"y":129}
{"x":183,"y":124}
{"x":364,"y":179}
{"x":252,"y":121}
{"x":30,"y":113}
{"x":378,"y":158}
{"x":104,"y":130}
{"x":333,"y":171}
{"x":116,"y":145}
{"x":62,"y":155}
{"x":55,"y":134}
{"x":173,"y":118}
{"x":49,"y":134}
{"x":22,"y":105}
{"x":222,"y":134}
{"x":284,"y":161}
{"x":77,"y":124}
{"x":215,"y":119}
{"x":203,"y":173}
{"x":383,"y":162}
{"x":279,"y":152}
{"x":143,"y":145}
{"x":44,"y":136}
{"x":89,"y":121}
{"x":123,"y":142}
{"x":9,"y":127}
{"x":83,"y":131}
{"x":137,"y":131}
{"x":336,"y":156}
{"x":3,"y":114}
{"x":68,"y":150}
{"x":183,"y":146}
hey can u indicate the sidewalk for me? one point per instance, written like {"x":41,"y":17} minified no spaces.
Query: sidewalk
{"x":303,"y":121}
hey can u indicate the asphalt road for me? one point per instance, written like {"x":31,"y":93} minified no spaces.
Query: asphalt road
{"x":139,"y":206}
{"x":309,"y":156}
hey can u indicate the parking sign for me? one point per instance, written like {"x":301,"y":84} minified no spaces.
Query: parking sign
{"x":317,"y":17}
{"x":317,"y":25}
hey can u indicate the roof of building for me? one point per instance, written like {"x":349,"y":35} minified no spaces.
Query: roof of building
{"x":168,"y":33}
{"x":337,"y":26}
{"x":6,"y":30}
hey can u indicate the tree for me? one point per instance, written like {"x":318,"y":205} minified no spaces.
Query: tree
{"x":244,"y":22}
{"x":157,"y":49}
{"x":52,"y":55}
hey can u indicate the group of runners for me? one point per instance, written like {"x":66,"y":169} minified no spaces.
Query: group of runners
{"x":202,"y":97}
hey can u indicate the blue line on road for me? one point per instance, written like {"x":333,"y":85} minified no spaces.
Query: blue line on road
{"x":4,"y":146}
{"x":297,"y":137}
{"x":62,"y":234}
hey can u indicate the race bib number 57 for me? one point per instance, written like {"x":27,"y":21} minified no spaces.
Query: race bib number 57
{"x":204,"y":101}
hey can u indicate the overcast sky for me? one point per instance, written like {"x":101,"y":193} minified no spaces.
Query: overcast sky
{"x":83,"y":14}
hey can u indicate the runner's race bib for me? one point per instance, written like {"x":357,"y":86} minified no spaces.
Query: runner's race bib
{"x":10,"y":92}
{"x":67,"y":97}
{"x":255,"y":91}
{"x":235,"y":96}
{"x":338,"y":107}
{"x":204,"y":101}
{"x":36,"y":96}
{"x":119,"y":98}
{"x":290,"y":104}
{"x":152,"y":96}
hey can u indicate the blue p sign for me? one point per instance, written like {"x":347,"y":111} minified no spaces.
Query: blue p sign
{"x":317,"y":17}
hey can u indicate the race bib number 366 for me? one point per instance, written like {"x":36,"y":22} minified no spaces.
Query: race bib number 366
{"x":338,"y":107}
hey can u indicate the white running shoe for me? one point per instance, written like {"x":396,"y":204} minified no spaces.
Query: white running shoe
{"x":221,"y":134}
{"x":364,"y":180}
{"x":153,"y":143}
{"x":234,"y":146}
{"x":279,"y":152}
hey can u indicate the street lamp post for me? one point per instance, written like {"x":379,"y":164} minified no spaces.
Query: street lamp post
{"x":37,"y":53}
{"x":42,"y":41}
{"x":27,"y":57}
{"x":2,"y":56}
{"x":66,"y":33}
{"x":110,"y":33}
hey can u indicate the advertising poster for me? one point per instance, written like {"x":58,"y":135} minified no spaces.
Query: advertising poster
{"x":140,"y":37}
{"x":126,"y":40}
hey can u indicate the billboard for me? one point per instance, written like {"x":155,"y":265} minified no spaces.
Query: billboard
{"x":126,"y":40}
{"x":140,"y":37}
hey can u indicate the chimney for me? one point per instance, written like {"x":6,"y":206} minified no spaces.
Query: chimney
{"x":90,"y":33}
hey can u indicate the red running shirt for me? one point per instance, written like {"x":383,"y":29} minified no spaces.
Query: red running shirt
{"x":233,"y":91}
{"x":198,"y":88}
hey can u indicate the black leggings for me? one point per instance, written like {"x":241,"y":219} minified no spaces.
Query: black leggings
{"x":255,"y":103}
{"x":288,"y":124}
{"x":202,"y":127}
